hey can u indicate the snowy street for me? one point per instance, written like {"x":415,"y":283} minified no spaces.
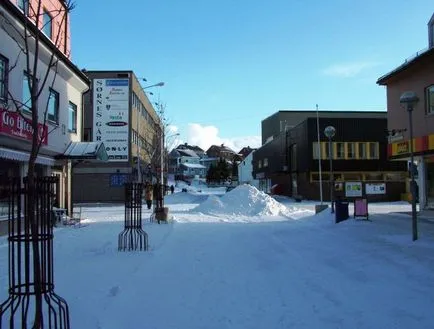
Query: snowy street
{"x":211,"y":270}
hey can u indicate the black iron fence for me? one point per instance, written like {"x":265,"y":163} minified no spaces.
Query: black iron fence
{"x":133,"y":237}
{"x":32,"y":302}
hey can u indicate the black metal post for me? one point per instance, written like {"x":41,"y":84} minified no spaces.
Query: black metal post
{"x":133,"y":237}
{"x":332,"y":181}
{"x":30,"y":242}
{"x":412,"y":181}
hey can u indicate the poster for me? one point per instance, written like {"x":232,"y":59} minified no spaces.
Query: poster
{"x":375,"y":188}
{"x":111,"y":116}
{"x":353,"y":189}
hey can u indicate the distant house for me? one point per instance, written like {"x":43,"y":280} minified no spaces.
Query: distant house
{"x":245,"y":151}
{"x":245,"y":171}
{"x":185,"y":164}
{"x":222,"y":151}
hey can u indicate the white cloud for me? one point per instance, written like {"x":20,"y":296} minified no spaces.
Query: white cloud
{"x":348,"y":70}
{"x":205,"y":136}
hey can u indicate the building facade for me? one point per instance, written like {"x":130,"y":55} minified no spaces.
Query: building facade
{"x":359,"y":154}
{"x":417,"y":75}
{"x":59,"y":103}
{"x":118,"y":113}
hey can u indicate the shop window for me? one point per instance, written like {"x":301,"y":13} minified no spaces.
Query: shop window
{"x":430,"y":100}
{"x":3,"y":79}
{"x":72,"y":117}
{"x":351,"y":150}
{"x":340,"y":150}
{"x":362,"y":151}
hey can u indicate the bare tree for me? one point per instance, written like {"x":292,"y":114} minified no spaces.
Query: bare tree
{"x":32,"y":46}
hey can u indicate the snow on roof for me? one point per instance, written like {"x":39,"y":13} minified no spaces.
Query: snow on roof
{"x":189,"y":153}
{"x":193,"y":165}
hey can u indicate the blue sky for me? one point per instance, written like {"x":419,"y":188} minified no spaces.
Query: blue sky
{"x":229,"y":64}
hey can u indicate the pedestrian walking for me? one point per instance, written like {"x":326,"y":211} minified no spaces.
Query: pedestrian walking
{"x":148,"y":195}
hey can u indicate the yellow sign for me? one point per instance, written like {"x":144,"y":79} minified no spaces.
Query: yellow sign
{"x":402,"y":147}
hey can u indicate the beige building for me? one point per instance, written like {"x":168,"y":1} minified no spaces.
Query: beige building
{"x":118,"y":113}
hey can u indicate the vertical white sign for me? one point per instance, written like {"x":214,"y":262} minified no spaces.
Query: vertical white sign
{"x":111,"y":115}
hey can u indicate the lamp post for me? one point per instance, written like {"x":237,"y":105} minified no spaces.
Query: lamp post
{"x":330,"y":132}
{"x":410,"y":99}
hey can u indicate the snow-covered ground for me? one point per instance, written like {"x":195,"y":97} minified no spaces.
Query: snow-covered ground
{"x":243,"y":260}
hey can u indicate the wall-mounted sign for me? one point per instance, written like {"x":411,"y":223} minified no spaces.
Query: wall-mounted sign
{"x":353,"y":189}
{"x":402,"y":147}
{"x":13,"y":124}
{"x":375,"y":188}
{"x":111,"y":116}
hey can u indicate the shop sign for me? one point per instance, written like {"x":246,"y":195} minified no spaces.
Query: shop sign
{"x":353,"y":189}
{"x":13,"y":124}
{"x":402,"y":148}
{"x":378,"y":188}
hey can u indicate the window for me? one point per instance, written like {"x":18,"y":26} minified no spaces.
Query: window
{"x":265,"y":162}
{"x":53,"y":106}
{"x":259,"y":164}
{"x":3,"y":79}
{"x":24,"y":6}
{"x":340,"y":150}
{"x":316,"y":151}
{"x":430,"y":99}
{"x":329,"y":150}
{"x":362,"y":151}
{"x":27,"y":100}
{"x":351,"y":150}
{"x":72,"y":117}
{"x":47,"y":22}
{"x":373,"y":151}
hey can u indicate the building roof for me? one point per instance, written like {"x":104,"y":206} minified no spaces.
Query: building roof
{"x":186,"y":152}
{"x":193,"y":165}
{"x":417,"y":58}
{"x":85,"y":151}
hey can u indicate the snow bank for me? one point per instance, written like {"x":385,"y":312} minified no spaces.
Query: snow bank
{"x":245,"y":200}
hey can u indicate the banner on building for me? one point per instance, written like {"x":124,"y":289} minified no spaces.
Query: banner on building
{"x":111,"y":116}
{"x":15,"y":125}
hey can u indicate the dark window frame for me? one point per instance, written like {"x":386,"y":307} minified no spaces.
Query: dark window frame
{"x":4,"y":79}
{"x":53,"y":117}
{"x":26,"y":108}
{"x":47,"y":24}
{"x":429,"y":108}
{"x":24,"y":6}
{"x":72,"y":124}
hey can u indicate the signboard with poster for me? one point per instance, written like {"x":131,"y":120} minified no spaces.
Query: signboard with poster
{"x":375,"y":188}
{"x":353,"y":189}
{"x":111,"y":116}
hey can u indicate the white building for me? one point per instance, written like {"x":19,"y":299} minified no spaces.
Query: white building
{"x":61,"y":95}
{"x":245,"y":170}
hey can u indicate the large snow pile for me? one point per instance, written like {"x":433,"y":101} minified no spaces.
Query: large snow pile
{"x":245,"y":200}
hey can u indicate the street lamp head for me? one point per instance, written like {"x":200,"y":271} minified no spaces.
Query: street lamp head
{"x":409,"y":98}
{"x":330,"y":131}
{"x":160,"y":84}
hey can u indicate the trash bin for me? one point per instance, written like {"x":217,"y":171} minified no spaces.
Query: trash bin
{"x":341,"y":210}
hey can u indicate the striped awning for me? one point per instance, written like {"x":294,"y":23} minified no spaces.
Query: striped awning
{"x":24,"y":157}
